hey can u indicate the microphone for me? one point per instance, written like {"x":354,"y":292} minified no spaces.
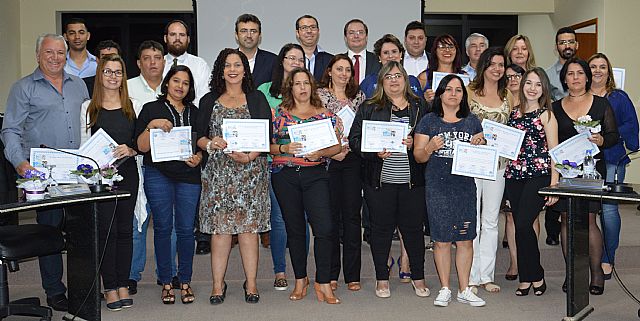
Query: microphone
{"x":616,"y":187}
{"x":97,"y":188}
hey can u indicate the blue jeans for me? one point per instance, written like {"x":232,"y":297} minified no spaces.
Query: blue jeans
{"x":172,"y":202}
{"x":139,"y":257}
{"x":51,"y":268}
{"x":610,"y":219}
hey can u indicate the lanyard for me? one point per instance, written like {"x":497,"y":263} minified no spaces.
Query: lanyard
{"x":182,"y":122}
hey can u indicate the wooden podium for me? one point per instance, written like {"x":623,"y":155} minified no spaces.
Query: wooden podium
{"x":577,"y":261}
{"x":83,"y":252}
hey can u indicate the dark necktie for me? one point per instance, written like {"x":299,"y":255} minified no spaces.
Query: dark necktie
{"x":175,"y":62}
{"x":356,"y":69}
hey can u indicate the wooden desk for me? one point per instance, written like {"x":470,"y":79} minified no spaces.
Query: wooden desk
{"x":83,"y":253}
{"x":577,"y":260}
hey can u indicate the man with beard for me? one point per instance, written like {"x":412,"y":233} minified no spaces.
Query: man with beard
{"x":416,"y":59}
{"x":567,"y":46}
{"x":81,"y":62}
{"x":475,"y":45}
{"x":248,"y":37}
{"x":308,"y":34}
{"x":176,"y":36}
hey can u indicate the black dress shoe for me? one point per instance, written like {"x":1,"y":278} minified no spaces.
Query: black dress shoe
{"x":58,"y":302}
{"x":552,"y":240}
{"x":133,"y":287}
{"x":219,"y":299}
{"x":203,"y":247}
{"x":250,"y":297}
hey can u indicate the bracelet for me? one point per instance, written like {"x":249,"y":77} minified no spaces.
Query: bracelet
{"x":148,"y":129}
{"x":209,"y":150}
{"x":280,"y":149}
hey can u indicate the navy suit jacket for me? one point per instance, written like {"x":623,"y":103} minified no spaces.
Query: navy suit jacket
{"x":373,"y":63}
{"x":322,"y":61}
{"x":263,"y":67}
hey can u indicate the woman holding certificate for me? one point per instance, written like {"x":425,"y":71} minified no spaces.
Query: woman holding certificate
{"x":111,"y":110}
{"x":172,"y":187}
{"x":235,"y":185}
{"x":489,"y":99}
{"x":531,"y":171}
{"x":300,"y":179}
{"x":393,"y":181}
{"x":340,"y":95}
{"x":450,"y":221}
{"x":576,"y":77}
{"x":604,"y":85}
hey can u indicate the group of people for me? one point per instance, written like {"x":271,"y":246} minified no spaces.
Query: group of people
{"x":333,"y":193}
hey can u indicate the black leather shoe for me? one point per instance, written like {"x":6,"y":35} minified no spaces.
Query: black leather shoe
{"x":219,"y":299}
{"x":203,"y":247}
{"x":133,"y":287}
{"x":250,"y":297}
{"x":58,"y":302}
{"x":552,"y":240}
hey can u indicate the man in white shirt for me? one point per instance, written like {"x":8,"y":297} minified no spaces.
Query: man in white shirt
{"x":416,"y":59}
{"x":475,"y":45}
{"x":80,"y":62}
{"x":177,"y":38}
{"x":356,"y":35}
{"x":308,"y":34}
{"x":146,"y":87}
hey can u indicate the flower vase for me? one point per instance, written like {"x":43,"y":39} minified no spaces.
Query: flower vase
{"x":107,"y":181}
{"x":34,"y":194}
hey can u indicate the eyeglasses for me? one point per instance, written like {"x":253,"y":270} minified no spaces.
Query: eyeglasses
{"x":294,"y":59}
{"x":514,"y":77}
{"x":109,"y":73}
{"x":567,"y":42}
{"x":392,"y":76}
{"x":248,"y":31}
{"x":308,"y":28}
{"x":446,"y":47}
{"x":352,"y":33}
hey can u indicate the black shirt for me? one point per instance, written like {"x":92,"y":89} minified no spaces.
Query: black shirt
{"x":121,"y":129}
{"x":161,"y":109}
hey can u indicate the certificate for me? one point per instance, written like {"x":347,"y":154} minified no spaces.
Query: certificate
{"x":246,"y":135}
{"x":475,"y":160}
{"x":100,"y":147}
{"x":347,"y":115}
{"x":383,"y":135}
{"x":61,"y":164}
{"x":574,"y":149}
{"x":437,"y":77}
{"x":174,"y":145}
{"x":506,"y":139}
{"x":314,"y":135}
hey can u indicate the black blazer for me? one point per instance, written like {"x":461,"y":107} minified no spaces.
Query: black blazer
{"x":322,"y":61}
{"x":258,"y":108}
{"x":373,"y":64}
{"x":265,"y":60}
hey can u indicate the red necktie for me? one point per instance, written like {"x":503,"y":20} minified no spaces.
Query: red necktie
{"x":356,"y":69}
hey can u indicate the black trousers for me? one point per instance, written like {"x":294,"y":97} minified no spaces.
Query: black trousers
{"x":391,"y":206}
{"x":115,"y":228}
{"x":300,"y":190}
{"x":526,"y":205}
{"x":346,"y":202}
{"x":552,"y":222}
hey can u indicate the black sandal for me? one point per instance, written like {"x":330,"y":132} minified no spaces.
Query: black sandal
{"x":167,"y":294}
{"x":524,"y":292}
{"x":186,"y":294}
{"x":538,"y":291}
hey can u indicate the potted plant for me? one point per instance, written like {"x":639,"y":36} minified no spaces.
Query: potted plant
{"x":86,"y":174}
{"x":34,"y":184}
{"x":568,"y":169}
{"x":586,"y":124}
{"x":110,"y":175}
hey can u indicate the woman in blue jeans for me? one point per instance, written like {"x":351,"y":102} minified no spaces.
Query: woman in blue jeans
{"x":172,"y":187}
{"x":604,"y":85}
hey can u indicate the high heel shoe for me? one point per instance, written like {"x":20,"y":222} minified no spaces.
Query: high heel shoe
{"x":322,"y":297}
{"x":219,"y":298}
{"x":405,"y":277}
{"x":390,"y":265}
{"x":524,"y":292}
{"x":383,"y":293}
{"x":538,"y":291}
{"x":299,"y":294}
{"x":353,"y":286}
{"x":250,"y":297}
{"x":423,"y":293}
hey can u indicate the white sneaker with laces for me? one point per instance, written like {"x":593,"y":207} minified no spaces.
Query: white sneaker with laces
{"x":467,"y":296}
{"x":443,"y":298}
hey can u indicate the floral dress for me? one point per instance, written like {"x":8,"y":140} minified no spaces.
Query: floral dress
{"x":235,"y":197}
{"x":533,"y":159}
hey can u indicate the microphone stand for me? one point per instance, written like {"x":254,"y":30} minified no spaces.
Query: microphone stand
{"x":616,"y":187}
{"x":95,"y":188}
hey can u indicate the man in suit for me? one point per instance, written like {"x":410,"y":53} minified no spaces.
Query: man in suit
{"x":308,"y":34}
{"x":248,"y":37}
{"x":416,"y":59}
{"x":365,"y":62}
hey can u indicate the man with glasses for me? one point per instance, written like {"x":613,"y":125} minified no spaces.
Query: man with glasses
{"x":567,"y":46}
{"x":475,"y":45}
{"x":416,"y":59}
{"x":308,"y":34}
{"x":355,"y":37}
{"x":176,"y":36}
{"x":248,"y":37}
{"x":44,"y":108}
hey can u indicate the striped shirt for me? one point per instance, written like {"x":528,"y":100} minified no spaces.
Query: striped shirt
{"x":395,"y":168}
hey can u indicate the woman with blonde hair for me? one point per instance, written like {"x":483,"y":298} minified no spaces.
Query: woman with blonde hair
{"x":519,"y":51}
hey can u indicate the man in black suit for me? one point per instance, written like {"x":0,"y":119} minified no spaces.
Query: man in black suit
{"x":248,"y":36}
{"x":308,"y":34}
{"x":356,"y":35}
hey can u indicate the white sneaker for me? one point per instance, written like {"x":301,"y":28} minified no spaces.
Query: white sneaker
{"x":443,"y":298}
{"x":467,"y":296}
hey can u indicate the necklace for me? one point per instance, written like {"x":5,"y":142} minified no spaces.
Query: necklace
{"x":576,"y":96}
{"x":180,"y":115}
{"x":600,"y":93}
